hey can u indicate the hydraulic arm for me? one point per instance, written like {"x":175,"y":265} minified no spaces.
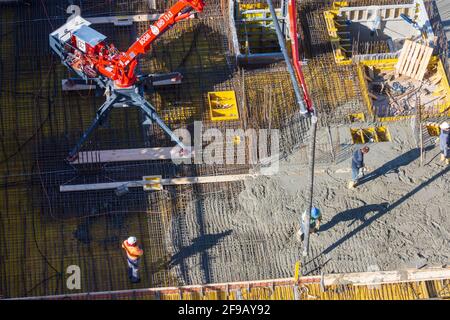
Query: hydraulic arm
{"x":84,"y":51}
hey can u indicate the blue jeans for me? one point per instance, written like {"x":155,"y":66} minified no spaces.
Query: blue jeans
{"x":355,"y":174}
{"x":133,"y":268}
{"x":446,"y":152}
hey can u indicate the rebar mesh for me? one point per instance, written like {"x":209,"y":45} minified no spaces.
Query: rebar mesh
{"x":43,"y":230}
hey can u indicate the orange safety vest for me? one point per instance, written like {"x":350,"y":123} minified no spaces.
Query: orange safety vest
{"x":133,"y":252}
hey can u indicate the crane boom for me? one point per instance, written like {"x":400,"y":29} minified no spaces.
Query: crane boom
{"x":181,"y":10}
{"x":84,"y":51}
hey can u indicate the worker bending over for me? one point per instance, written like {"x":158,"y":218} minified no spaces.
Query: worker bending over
{"x":444,"y":142}
{"x":357,"y":166}
{"x":315,"y":219}
{"x":134,"y":253}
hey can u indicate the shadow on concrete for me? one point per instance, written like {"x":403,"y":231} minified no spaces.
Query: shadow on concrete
{"x":198,"y":246}
{"x":393,"y":165}
{"x":353,"y":215}
{"x":381,"y":210}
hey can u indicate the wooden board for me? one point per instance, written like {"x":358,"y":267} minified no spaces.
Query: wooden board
{"x":179,"y":181}
{"x":413,"y":60}
{"x":423,"y":67}
{"x":402,"y":58}
{"x":420,"y":56}
{"x":408,"y":58}
{"x":371,"y":278}
{"x":164,"y":182}
{"x":120,"y":155}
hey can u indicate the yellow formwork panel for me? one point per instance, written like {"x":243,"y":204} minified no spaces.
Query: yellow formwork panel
{"x":357,"y":136}
{"x":445,"y":87}
{"x":356,"y":117}
{"x":339,"y":4}
{"x":253,"y":6}
{"x":223,"y":105}
{"x":433,"y":129}
{"x":339,"y":52}
{"x":372,"y":134}
{"x":382,"y":134}
{"x":329,"y":20}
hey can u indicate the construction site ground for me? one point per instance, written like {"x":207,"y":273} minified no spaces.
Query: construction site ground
{"x":197,"y":234}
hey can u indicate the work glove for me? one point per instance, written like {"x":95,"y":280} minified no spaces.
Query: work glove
{"x":361,"y":172}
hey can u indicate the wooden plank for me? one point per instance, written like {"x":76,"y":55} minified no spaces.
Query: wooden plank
{"x":401,"y":59}
{"x":124,"y":20}
{"x":165,"y":182}
{"x":422,"y":60}
{"x":371,"y":278}
{"x":417,"y":63}
{"x":424,"y":64}
{"x":434,"y":80}
{"x":409,"y":60}
{"x":120,"y":155}
{"x":99,"y":186}
{"x":177,"y":181}
{"x":207,"y":179}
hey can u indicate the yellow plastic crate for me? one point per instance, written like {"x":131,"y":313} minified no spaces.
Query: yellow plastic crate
{"x":223,"y":105}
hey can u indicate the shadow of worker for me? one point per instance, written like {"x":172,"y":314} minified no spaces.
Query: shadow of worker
{"x":393,"y":165}
{"x":353,"y":215}
{"x":198,"y":246}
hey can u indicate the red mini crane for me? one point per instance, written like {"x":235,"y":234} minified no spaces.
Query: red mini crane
{"x":84,"y":51}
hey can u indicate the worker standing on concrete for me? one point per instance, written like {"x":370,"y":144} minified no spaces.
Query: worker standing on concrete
{"x":444,"y":142}
{"x":357,"y":166}
{"x":314,"y":223}
{"x":134,"y":253}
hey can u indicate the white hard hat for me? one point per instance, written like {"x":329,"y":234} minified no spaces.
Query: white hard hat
{"x":131,"y":240}
{"x":445,"y":126}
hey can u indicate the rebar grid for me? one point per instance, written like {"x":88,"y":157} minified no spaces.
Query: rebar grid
{"x":48,"y":230}
{"x":39,"y":123}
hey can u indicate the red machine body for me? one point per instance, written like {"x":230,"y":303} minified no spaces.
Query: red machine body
{"x":91,"y":55}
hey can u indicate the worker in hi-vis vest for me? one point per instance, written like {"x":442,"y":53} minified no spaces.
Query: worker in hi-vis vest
{"x":134,"y":253}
